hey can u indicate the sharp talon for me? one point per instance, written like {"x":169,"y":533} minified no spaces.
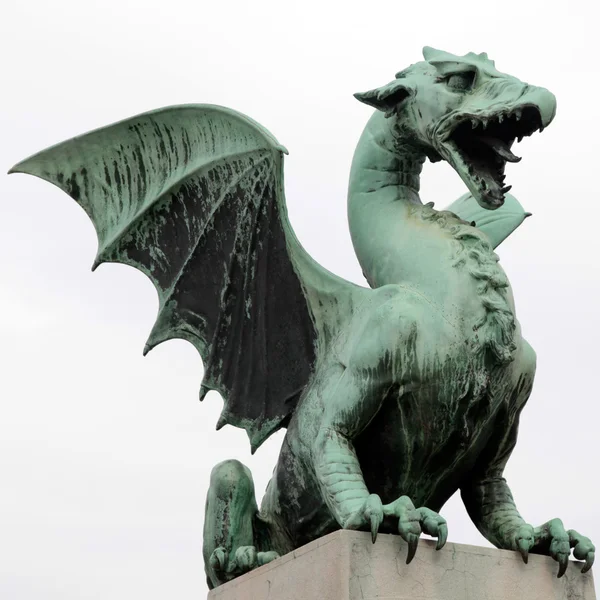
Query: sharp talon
{"x":412,"y":548}
{"x":524,"y":556}
{"x":374,"y":528}
{"x":524,"y":550}
{"x":589,"y":561}
{"x":563,"y":564}
{"x":442,"y":536}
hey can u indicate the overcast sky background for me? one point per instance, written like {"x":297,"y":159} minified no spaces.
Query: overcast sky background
{"x":105,"y":456}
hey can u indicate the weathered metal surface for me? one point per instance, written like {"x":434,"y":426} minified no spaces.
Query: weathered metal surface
{"x":394,"y":396}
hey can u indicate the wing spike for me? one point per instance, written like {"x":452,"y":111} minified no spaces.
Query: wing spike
{"x":203,"y":391}
{"x":161,"y":331}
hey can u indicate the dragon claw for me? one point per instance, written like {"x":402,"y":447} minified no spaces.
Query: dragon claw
{"x":413,"y":542}
{"x":376,"y":519}
{"x":264,"y":558}
{"x":218,"y":559}
{"x":583,"y":549}
{"x":524,"y":550}
{"x":442,"y":536}
{"x":374,"y":528}
{"x":524,"y":542}
{"x":563,"y":563}
{"x":560,"y":547}
{"x":589,"y":561}
{"x":553,"y":540}
{"x":412,"y":521}
{"x":369,"y":516}
{"x":246,"y":559}
{"x":374,"y":514}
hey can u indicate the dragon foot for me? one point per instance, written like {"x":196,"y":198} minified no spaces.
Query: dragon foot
{"x":551,"y":539}
{"x":414,"y":521}
{"x":411,"y":521}
{"x":245,"y":559}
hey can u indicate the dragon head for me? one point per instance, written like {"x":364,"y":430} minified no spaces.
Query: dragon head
{"x":461,"y":109}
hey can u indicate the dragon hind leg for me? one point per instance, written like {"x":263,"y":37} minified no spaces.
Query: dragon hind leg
{"x":229,"y":546}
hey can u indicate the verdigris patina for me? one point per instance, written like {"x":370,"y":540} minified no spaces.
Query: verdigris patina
{"x":394,"y":396}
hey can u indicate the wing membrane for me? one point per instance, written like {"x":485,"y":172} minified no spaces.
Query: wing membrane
{"x":192,"y":196}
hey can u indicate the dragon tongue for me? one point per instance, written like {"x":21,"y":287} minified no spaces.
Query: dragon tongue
{"x":501,"y":148}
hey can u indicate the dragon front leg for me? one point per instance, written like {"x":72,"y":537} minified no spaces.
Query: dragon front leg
{"x":350,"y":401}
{"x":354,"y":507}
{"x":342,"y":483}
{"x":492,"y":508}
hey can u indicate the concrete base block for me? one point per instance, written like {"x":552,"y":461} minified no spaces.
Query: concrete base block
{"x":345,"y":565}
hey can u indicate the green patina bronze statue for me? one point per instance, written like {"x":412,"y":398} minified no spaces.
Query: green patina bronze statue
{"x":393,"y":396}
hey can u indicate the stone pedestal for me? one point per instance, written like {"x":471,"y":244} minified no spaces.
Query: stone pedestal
{"x":345,"y":565}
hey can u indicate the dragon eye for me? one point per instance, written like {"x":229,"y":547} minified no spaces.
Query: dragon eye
{"x":461,"y":82}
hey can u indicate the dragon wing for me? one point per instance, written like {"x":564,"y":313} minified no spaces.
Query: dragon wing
{"x":192,"y":196}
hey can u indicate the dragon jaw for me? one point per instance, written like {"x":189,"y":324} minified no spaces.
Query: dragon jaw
{"x":478,"y":144}
{"x":461,"y":109}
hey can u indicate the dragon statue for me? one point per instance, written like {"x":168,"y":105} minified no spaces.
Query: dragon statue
{"x":394,"y":396}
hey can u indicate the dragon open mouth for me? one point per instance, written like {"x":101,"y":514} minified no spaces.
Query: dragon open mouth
{"x":479,"y":146}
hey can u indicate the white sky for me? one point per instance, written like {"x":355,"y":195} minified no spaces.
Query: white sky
{"x":105,"y":456}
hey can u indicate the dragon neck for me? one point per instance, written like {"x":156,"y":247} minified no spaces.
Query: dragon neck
{"x":398,"y":240}
{"x":383,"y":195}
